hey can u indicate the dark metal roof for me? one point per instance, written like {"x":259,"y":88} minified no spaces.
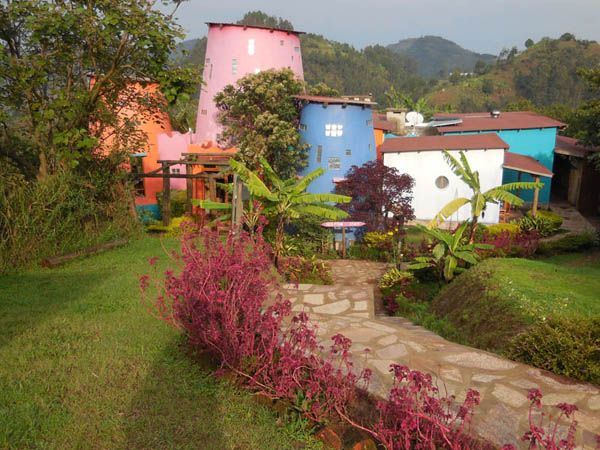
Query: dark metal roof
{"x":223,"y":24}
{"x":570,"y":146}
{"x":385,"y":125}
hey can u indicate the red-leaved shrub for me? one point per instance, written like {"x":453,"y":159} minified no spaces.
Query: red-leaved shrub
{"x":220,"y":297}
{"x":509,"y":244}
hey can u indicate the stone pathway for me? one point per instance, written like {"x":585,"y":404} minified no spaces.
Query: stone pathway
{"x":347,"y":307}
{"x":574,"y":222}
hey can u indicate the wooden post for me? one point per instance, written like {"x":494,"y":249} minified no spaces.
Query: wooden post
{"x":237,"y":206}
{"x":536,"y":195}
{"x":344,"y":242}
{"x":189,"y":185}
{"x":519,"y":189}
{"x":166,"y":212}
{"x":212,"y":188}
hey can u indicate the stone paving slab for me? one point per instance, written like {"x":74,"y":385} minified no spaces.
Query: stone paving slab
{"x":347,"y":307}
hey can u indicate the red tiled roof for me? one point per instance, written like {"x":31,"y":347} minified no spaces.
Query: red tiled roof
{"x":569,"y":146}
{"x":384,"y":125}
{"x":223,"y":24}
{"x":524,"y":163}
{"x":458,"y":142}
{"x":519,"y":120}
{"x":335,"y":100}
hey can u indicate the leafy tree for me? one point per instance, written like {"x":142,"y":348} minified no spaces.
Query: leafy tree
{"x":487,"y":86}
{"x":285,"y":199}
{"x":381,"y":196}
{"x":398,"y":100}
{"x":260,"y":19}
{"x":261,"y":118}
{"x":480,"y":67}
{"x":585,"y":121}
{"x":322,"y":89}
{"x":529,"y":43}
{"x":567,"y":37}
{"x":70,"y":69}
{"x":455,"y":77}
{"x":448,"y":252}
{"x":479,"y":199}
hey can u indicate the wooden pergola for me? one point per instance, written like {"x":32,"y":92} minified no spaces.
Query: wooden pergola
{"x":214,"y":166}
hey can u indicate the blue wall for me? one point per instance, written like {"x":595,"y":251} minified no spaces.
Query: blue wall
{"x":357,"y":136}
{"x":538,"y":143}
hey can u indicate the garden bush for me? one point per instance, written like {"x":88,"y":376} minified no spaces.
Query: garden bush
{"x":569,"y":244}
{"x":555,"y":219}
{"x":567,"y":345}
{"x":173,"y":230}
{"x":178,"y":202}
{"x":496,"y":229}
{"x":542,"y":226}
{"x":305,"y":270}
{"x":394,"y":277}
{"x":63,"y":213}
{"x":510,"y":244}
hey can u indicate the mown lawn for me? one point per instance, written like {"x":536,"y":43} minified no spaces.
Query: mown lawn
{"x":83,"y":365}
{"x":569,"y":282}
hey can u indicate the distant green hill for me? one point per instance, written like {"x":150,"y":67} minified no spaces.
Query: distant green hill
{"x":436,"y":56}
{"x":545,"y":74}
{"x":371,"y":70}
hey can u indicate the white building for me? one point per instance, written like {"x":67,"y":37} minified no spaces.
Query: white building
{"x":435,"y":183}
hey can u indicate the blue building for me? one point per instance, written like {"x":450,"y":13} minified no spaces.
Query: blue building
{"x":340,"y":134}
{"x":527,"y":133}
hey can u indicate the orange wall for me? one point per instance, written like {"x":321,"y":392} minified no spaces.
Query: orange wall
{"x":378,"y":142}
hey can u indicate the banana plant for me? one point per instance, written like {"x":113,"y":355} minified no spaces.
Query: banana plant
{"x":285,"y":199}
{"x":448,"y":252}
{"x":479,"y":199}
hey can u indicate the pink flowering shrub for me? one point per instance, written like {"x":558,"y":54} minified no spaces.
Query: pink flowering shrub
{"x":547,"y":436}
{"x":415,"y":416}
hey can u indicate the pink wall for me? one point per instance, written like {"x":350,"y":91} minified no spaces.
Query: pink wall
{"x":171,"y":146}
{"x":229,"y":42}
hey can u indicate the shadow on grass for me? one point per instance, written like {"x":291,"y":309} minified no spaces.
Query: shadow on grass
{"x":28,"y":299}
{"x":177,"y":406}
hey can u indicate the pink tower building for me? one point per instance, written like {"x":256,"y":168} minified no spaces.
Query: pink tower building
{"x":233,"y":51}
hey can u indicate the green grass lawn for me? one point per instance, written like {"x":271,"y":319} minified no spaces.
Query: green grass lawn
{"x":569,"y":282}
{"x":83,"y":365}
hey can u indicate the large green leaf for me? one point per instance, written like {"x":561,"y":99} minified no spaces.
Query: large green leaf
{"x":504,"y":196}
{"x":417,"y":266}
{"x":207,"y":204}
{"x":477,"y":204}
{"x":520,"y":185}
{"x":457,"y":168}
{"x":447,"y":211}
{"x":254,"y":184}
{"x":301,"y":185}
{"x":333,"y":198}
{"x":449,"y":267}
{"x":466,"y":256}
{"x":270,"y":174}
{"x":320,"y":210}
{"x":438,"y":251}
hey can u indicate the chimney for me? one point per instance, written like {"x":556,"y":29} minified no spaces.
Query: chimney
{"x":398,"y":117}
{"x":495,"y":114}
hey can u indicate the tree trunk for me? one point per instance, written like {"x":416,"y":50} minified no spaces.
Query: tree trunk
{"x":473,"y":228}
{"x":279,"y":241}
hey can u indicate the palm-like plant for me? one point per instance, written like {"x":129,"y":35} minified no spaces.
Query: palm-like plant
{"x":448,"y":251}
{"x":286,"y":199}
{"x":479,"y":199}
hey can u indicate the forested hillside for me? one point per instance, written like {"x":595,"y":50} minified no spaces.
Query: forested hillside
{"x":436,"y":57}
{"x":545,"y":74}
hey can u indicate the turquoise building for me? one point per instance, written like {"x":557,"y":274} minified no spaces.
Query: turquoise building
{"x":339,"y":133}
{"x":527,"y":133}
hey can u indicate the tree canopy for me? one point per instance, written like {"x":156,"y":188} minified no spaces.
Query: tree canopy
{"x":261,"y":118}
{"x":71,"y":75}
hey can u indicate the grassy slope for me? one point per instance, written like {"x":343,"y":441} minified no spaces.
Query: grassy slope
{"x":85,"y":366}
{"x":520,"y":291}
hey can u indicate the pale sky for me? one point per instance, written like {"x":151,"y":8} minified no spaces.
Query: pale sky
{"x":485,"y":26}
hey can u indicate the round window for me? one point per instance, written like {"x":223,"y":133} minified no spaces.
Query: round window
{"x":441,"y":182}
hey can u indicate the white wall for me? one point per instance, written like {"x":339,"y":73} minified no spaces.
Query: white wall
{"x":426,"y":166}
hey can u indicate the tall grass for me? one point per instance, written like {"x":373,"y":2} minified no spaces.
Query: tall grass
{"x":63,"y":213}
